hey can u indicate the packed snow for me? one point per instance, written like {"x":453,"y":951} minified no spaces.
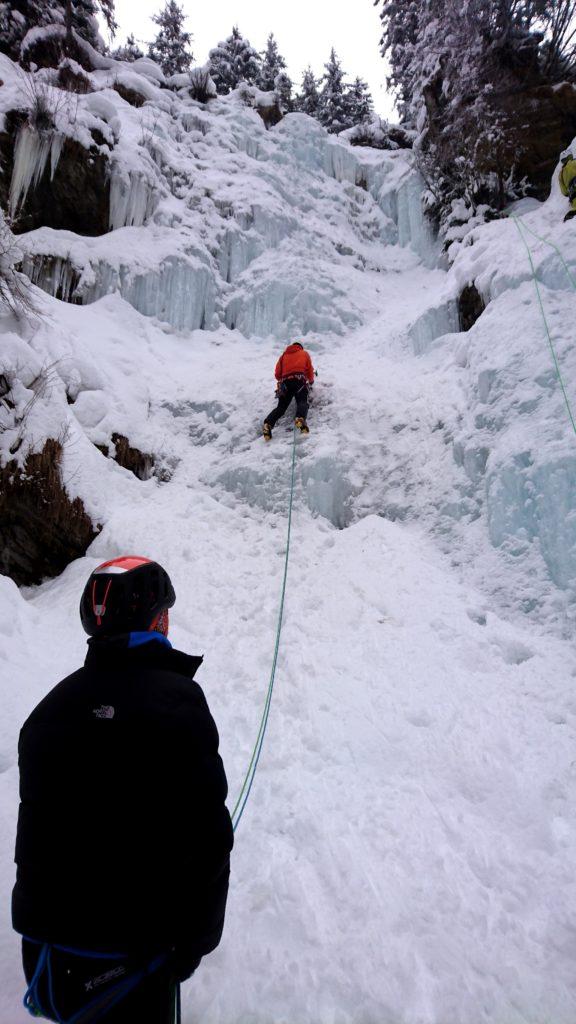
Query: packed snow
{"x":407,"y":855}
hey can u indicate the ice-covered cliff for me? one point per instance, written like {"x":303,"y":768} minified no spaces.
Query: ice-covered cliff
{"x":214,"y":218}
{"x":408,"y":855}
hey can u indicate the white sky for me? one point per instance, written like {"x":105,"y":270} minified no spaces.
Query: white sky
{"x":304,"y":29}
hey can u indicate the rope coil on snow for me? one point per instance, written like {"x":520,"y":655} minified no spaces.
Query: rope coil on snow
{"x":541,"y":304}
{"x":249,"y":778}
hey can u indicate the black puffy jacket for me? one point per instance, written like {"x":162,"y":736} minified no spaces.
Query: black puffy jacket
{"x":123,"y":836}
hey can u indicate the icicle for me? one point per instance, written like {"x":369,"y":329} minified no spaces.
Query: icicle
{"x":31,"y":156}
{"x":53,"y":274}
{"x":132,"y":200}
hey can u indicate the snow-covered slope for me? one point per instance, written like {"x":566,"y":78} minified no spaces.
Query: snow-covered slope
{"x":407,"y":855}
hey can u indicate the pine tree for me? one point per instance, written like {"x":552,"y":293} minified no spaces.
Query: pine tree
{"x":308,"y":99}
{"x":233,"y":61}
{"x":403,"y":24}
{"x":80,"y":18}
{"x":334,"y":109}
{"x":272,"y":64}
{"x":360,"y":103}
{"x":283,"y":90}
{"x":129,"y":52}
{"x":170,"y":49}
{"x":450,"y":61}
{"x":17,"y":17}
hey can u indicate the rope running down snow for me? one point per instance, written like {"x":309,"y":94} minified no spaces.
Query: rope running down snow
{"x":541,"y":304}
{"x":552,"y":246}
{"x":249,"y":779}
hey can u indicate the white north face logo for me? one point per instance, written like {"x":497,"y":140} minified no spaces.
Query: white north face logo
{"x":104,"y":711}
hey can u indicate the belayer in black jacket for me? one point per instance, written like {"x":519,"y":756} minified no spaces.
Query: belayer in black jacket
{"x":124,"y":838}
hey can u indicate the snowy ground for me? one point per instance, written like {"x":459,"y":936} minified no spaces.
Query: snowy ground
{"x":408,"y":852}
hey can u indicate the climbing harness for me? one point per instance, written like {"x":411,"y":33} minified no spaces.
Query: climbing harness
{"x":518,"y":222}
{"x":249,"y":778}
{"x":42,"y":998}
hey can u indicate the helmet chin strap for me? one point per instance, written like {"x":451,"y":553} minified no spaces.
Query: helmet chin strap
{"x":161,"y":623}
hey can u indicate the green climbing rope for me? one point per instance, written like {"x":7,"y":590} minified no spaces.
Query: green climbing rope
{"x":552,"y":246}
{"x":543,"y":312}
{"x":249,"y":778}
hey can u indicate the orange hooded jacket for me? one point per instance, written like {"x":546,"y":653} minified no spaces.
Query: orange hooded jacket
{"x":294,"y":361}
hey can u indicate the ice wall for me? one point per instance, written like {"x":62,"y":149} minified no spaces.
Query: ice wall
{"x":434,"y":323}
{"x":270,"y":232}
{"x":180,"y":292}
{"x":133,"y":199}
{"x":529,"y":504}
{"x":55,"y":275}
{"x":516,"y":407}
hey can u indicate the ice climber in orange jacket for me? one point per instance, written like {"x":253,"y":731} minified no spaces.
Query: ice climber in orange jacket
{"x":295,"y":375}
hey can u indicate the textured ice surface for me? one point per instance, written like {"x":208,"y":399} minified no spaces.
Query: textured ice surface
{"x":327,"y":489}
{"x":180,"y":292}
{"x":259,"y":217}
{"x":133,"y":199}
{"x":528,"y":504}
{"x":434,"y":323}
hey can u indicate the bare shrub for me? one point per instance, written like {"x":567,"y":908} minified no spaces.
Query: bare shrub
{"x":49,"y":107}
{"x":202,"y":87}
{"x":15,"y":289}
{"x":40,"y":386}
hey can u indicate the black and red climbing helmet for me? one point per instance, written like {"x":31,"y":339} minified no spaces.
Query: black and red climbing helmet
{"x":125,"y":595}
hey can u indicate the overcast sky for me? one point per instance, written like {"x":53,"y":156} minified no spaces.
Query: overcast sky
{"x":304,"y":29}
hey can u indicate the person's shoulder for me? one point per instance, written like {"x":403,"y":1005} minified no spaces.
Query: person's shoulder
{"x":171,"y":684}
{"x":60,"y":694}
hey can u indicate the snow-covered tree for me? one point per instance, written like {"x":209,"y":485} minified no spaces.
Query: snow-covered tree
{"x":171,"y":47}
{"x":401,"y":21}
{"x":360,"y":103}
{"x":308,"y":99}
{"x":80,"y":17}
{"x":129,"y":52}
{"x":17,"y":17}
{"x":283,"y":90}
{"x":451,"y":60}
{"x":233,"y":61}
{"x":272,"y":64}
{"x":334,"y":109}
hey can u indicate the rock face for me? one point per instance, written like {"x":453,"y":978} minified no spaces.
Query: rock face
{"x":132,"y":96}
{"x":547,"y":116}
{"x":42,"y":528}
{"x":470,"y":306}
{"x":76,"y":198}
{"x":139,"y":463}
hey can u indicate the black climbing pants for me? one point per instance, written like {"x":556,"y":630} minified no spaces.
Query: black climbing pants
{"x":81,"y":986}
{"x":295,"y":388}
